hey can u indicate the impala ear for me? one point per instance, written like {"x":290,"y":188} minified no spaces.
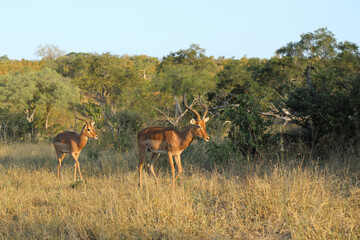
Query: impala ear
{"x":206,"y":119}
{"x":93,"y":123}
{"x":192,"y":121}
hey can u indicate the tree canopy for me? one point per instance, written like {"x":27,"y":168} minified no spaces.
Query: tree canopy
{"x":315,"y":78}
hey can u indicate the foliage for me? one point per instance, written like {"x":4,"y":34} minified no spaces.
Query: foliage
{"x":13,"y":126}
{"x":132,"y":87}
{"x":329,"y":102}
{"x":105,"y":75}
{"x":120,"y":129}
{"x":248,"y":131}
{"x":236,"y":76}
{"x":49,"y":52}
{"x":220,"y":153}
{"x":320,"y":44}
{"x":282,"y":75}
{"x":8,"y":66}
{"x":330,"y":110}
{"x":186,"y":71}
{"x":33,"y":94}
{"x":127,"y":124}
{"x":177,"y":80}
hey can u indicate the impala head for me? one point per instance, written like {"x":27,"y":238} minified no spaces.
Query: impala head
{"x":200,"y":122}
{"x":88,"y":129}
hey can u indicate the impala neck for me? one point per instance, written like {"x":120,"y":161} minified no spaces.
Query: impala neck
{"x":83,"y":140}
{"x":187,"y":137}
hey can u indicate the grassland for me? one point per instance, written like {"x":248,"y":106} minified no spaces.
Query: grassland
{"x":263,"y":198}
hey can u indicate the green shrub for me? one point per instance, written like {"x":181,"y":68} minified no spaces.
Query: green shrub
{"x":330,"y":110}
{"x":219,"y":152}
{"x":248,"y":131}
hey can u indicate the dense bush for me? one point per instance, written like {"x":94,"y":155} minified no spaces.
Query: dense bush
{"x":329,"y":110}
{"x":121,"y":129}
{"x":248,"y":132}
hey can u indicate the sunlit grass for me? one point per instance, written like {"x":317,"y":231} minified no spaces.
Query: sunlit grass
{"x":269,"y":200}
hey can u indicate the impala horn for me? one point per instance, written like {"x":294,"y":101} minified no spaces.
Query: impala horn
{"x":81,"y":119}
{"x":204,"y":106}
{"x":198,"y":117}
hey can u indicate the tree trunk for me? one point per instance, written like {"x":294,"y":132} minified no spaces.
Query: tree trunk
{"x":308,"y":75}
{"x":144,"y":74}
{"x":30,"y":115}
{"x":3,"y":129}
{"x":102,"y":102}
{"x":47,"y":119}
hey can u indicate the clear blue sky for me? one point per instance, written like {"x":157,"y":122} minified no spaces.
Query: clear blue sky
{"x":229,"y":28}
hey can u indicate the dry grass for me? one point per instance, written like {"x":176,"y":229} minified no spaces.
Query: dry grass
{"x":273,"y":201}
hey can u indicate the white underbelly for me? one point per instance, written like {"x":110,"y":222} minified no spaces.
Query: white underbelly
{"x":63,"y":147}
{"x":157,"y":151}
{"x":153,"y":146}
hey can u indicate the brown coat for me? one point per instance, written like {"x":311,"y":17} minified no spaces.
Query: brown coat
{"x":170,"y":141}
{"x":73,"y":143}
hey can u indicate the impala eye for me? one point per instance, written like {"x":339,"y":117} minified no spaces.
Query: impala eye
{"x":89,"y":129}
{"x":198,"y":126}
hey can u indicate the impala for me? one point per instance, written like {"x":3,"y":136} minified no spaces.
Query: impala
{"x":73,"y":143}
{"x":170,"y":141}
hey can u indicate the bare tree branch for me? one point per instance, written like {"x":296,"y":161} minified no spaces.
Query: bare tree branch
{"x":222,"y":107}
{"x":179,"y":114}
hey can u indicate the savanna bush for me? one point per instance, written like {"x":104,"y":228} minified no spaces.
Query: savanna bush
{"x":248,"y":132}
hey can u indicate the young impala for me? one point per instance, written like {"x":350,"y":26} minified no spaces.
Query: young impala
{"x":170,"y":141}
{"x":73,"y":143}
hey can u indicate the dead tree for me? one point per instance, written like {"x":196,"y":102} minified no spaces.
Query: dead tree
{"x":178,"y":113}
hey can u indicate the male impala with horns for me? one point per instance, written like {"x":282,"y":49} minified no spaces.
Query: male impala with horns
{"x":170,"y":141}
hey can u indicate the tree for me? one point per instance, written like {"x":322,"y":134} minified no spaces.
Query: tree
{"x":56,"y":92}
{"x":32,"y":92}
{"x":282,"y":74}
{"x":238,"y":76}
{"x":248,"y":132}
{"x":194,"y":56}
{"x":7,"y":65}
{"x":326,"y":101}
{"x":106,"y":75}
{"x":187,"y":71}
{"x":321,"y":44}
{"x":145,"y":66}
{"x":4,"y":58}
{"x":49,"y":52}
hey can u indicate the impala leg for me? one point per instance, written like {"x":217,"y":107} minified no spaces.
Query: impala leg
{"x":75,"y":169}
{"x":171,"y":162}
{"x":60,"y":158}
{"x":77,"y":165}
{"x":142,"y":154}
{"x":154,"y":157}
{"x":178,"y":164}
